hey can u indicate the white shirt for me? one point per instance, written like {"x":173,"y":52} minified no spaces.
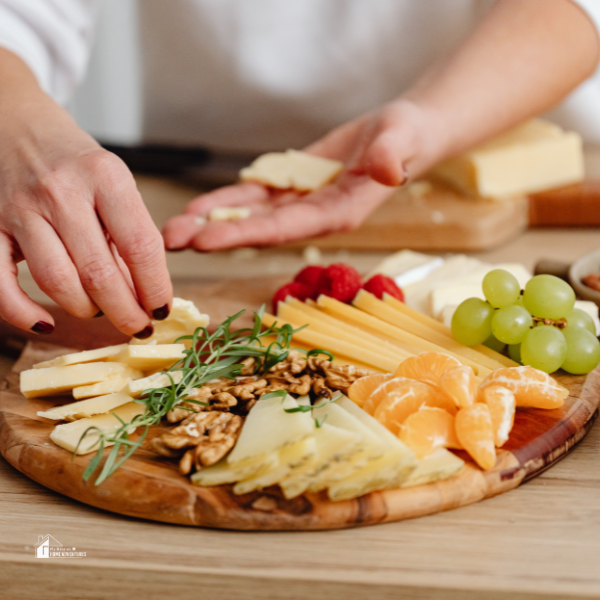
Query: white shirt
{"x":248,"y":75}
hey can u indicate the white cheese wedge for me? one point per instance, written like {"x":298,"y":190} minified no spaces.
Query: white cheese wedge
{"x":222,"y":472}
{"x":591,"y":308}
{"x":85,"y":408}
{"x":136,"y":387}
{"x":75,"y":358}
{"x":267,"y":429}
{"x":440,"y":464}
{"x":452,"y":294}
{"x":152,"y":357}
{"x":532,"y":157}
{"x":183,"y":319}
{"x":53,"y":381}
{"x":229,"y":213}
{"x":292,"y":170}
{"x":67,"y":436}
{"x":108,"y":386}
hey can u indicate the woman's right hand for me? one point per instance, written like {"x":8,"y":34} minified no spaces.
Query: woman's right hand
{"x":73,"y":212}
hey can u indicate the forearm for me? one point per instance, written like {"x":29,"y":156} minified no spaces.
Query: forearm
{"x":523,"y":58}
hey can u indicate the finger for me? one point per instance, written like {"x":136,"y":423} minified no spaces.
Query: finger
{"x":16,"y":307}
{"x":52,"y":268}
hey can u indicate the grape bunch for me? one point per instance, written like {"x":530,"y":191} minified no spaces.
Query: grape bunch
{"x":539,"y":325}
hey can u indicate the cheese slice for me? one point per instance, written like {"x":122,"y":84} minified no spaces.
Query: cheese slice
{"x":183,"y":319}
{"x":440,"y":464}
{"x":532,"y":157}
{"x":53,"y":381}
{"x":75,"y":358}
{"x":222,"y":472}
{"x":108,"y":386}
{"x":85,"y":408}
{"x":229,"y":213}
{"x":136,"y":387}
{"x":292,"y":170}
{"x":153,"y":357}
{"x":67,"y":436}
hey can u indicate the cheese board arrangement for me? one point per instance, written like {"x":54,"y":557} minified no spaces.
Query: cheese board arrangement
{"x":345,"y":407}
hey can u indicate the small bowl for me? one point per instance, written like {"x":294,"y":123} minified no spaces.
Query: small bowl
{"x":590,"y":263}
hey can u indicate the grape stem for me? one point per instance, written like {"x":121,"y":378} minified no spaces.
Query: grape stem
{"x":558,"y":323}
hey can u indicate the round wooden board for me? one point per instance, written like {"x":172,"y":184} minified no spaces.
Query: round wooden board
{"x":149,"y":487}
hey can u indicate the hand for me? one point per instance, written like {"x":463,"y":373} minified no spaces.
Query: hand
{"x":378,"y":151}
{"x":72,"y":211}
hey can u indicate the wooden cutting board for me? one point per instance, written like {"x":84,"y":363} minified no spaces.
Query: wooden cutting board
{"x":148,"y":486}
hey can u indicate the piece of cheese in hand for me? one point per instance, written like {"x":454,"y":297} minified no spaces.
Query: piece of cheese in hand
{"x":158,"y":380}
{"x":85,"y":408}
{"x":87,"y":356}
{"x":183,"y":319}
{"x":67,"y":436}
{"x":229,"y":213}
{"x":108,"y":386}
{"x":292,"y":170}
{"x":535,"y":156}
{"x":53,"y":381}
{"x":145,"y":358}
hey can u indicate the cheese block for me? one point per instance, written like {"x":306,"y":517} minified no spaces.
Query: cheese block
{"x":67,"y":436}
{"x":407,"y":267}
{"x":292,"y":170}
{"x":532,"y":157}
{"x":453,"y":295}
{"x":153,"y":357}
{"x":136,"y":387}
{"x":229,"y":213}
{"x":53,"y":381}
{"x":75,"y":358}
{"x":108,"y":386}
{"x":440,"y":464}
{"x":183,"y":319}
{"x":85,"y":408}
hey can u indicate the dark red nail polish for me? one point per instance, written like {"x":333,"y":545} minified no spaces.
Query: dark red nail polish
{"x":160,"y":314}
{"x":144,"y":333}
{"x":98,"y":314}
{"x":43,"y":328}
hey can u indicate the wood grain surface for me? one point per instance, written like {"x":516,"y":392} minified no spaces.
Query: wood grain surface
{"x":150,"y":487}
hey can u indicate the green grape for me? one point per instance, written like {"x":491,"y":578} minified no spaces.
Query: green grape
{"x":520,"y":302}
{"x":494,"y":344}
{"x":511,"y":324}
{"x":548,"y":297}
{"x":583,"y":351}
{"x":514,"y":351}
{"x":472,"y":322}
{"x":544,"y":348}
{"x":500,"y":288}
{"x":579,"y":318}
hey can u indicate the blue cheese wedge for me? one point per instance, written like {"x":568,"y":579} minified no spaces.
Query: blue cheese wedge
{"x":87,"y":356}
{"x":85,"y":408}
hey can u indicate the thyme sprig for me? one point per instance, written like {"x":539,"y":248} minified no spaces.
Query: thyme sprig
{"x":210,"y":356}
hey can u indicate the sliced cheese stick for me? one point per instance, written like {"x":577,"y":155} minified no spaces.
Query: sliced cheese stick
{"x":85,"y":408}
{"x":152,"y":357}
{"x":108,"y":386}
{"x":76,"y":358}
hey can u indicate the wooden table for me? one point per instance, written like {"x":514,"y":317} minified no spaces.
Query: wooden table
{"x":539,"y":541}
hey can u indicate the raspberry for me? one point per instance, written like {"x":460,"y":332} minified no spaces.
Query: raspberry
{"x":378,"y":284}
{"x":295,"y":289}
{"x":310,"y":276}
{"x":340,"y":281}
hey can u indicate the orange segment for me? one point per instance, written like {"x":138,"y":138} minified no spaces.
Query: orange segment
{"x":531,"y":387}
{"x":362,"y":388}
{"x":405,"y":397}
{"x":476,"y":433}
{"x":460,"y":385}
{"x":381,"y":392}
{"x":428,"y":429}
{"x":501,"y":402}
{"x":427,"y":367}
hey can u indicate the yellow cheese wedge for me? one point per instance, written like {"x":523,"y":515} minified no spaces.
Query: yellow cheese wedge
{"x":336,"y":346}
{"x":440,"y":464}
{"x":136,"y":387}
{"x":85,"y":408}
{"x":535,"y":156}
{"x":108,"y":386}
{"x":67,"y":436}
{"x":53,"y":381}
{"x":75,"y":358}
{"x":145,"y":358}
{"x":183,"y":319}
{"x":222,"y":472}
{"x":435,"y":325}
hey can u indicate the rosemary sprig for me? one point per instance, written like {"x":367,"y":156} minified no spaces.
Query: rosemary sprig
{"x":211,"y":356}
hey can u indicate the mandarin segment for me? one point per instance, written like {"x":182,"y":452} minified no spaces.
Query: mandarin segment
{"x":381,"y":392}
{"x":428,"y":429}
{"x":460,"y":385}
{"x":362,"y":388}
{"x":427,"y":367}
{"x":501,"y":402}
{"x":531,"y":387}
{"x":475,"y":432}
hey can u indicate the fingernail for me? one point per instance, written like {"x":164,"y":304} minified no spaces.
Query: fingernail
{"x":144,"y":333}
{"x":98,"y":314}
{"x":43,"y":328}
{"x":160,"y":314}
